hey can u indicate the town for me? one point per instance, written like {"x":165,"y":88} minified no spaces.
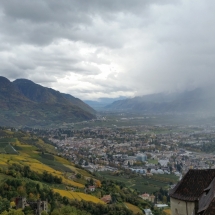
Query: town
{"x":142,"y":149}
{"x":148,"y":151}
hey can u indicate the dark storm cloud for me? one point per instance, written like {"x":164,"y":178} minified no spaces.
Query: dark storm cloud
{"x":40,"y":22}
{"x":111,"y":47}
{"x":72,"y":11}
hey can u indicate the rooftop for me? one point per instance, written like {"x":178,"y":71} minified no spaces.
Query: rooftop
{"x":193,"y":184}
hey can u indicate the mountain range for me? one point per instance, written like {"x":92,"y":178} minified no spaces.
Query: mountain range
{"x":188,"y":101}
{"x":23,"y":102}
{"x":101,"y":103}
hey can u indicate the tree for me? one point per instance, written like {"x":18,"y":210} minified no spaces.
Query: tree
{"x":13,"y":212}
{"x":164,"y":199}
{"x":78,"y":175}
{"x":98,"y":184}
{"x":4,"y":205}
{"x":91,"y":182}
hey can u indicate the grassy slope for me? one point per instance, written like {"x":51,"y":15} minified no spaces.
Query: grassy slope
{"x":133,"y":208}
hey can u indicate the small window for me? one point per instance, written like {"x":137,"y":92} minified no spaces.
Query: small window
{"x":206,"y":192}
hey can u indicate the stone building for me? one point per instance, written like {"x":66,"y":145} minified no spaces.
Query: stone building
{"x":148,"y":197}
{"x":194,"y":194}
{"x":107,"y":199}
{"x":37,"y":206}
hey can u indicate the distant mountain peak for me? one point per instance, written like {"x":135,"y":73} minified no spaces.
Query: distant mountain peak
{"x":23,"y":81}
{"x":4,"y":80}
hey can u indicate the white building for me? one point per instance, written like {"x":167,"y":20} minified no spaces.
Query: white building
{"x":141,"y":157}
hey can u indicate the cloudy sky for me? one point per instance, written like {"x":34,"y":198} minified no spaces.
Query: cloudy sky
{"x":109,"y":48}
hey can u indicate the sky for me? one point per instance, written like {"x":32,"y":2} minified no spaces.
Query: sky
{"x":109,"y":48}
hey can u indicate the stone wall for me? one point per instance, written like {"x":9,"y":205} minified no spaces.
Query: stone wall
{"x":179,"y":207}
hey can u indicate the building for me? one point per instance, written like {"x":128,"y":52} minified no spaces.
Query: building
{"x":21,"y":202}
{"x":91,"y":188}
{"x":37,"y":206}
{"x":194,"y":194}
{"x":147,"y":212}
{"x":144,"y":196}
{"x":148,"y":197}
{"x":163,"y":162}
{"x":107,"y":199}
{"x":141,"y":157}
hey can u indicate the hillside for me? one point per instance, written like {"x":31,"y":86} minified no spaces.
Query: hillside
{"x":38,"y":93}
{"x":188,"y":101}
{"x":31,"y":167}
{"x":79,"y":103}
{"x":23,"y":102}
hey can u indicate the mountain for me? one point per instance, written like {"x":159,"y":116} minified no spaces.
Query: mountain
{"x":102,"y":102}
{"x":79,"y":103}
{"x":23,"y":102}
{"x":38,"y":93}
{"x":187,"y":101}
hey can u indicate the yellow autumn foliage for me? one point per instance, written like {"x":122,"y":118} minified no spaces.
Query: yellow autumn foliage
{"x":167,"y":211}
{"x":62,"y":160}
{"x":79,"y":196}
{"x":133,"y":208}
{"x":75,"y":195}
{"x":35,"y":165}
{"x":87,"y":197}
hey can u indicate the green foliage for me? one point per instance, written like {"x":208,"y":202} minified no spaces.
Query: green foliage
{"x":13,"y":212}
{"x":28,"y":210}
{"x":5,"y":146}
{"x":140,"y":183}
{"x":11,"y":188}
{"x":68,"y":210}
{"x":4,"y":204}
{"x":78,"y":175}
{"x":16,"y":169}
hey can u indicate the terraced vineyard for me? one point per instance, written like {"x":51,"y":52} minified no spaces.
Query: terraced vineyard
{"x":6,"y":147}
{"x":14,"y":151}
{"x":78,"y":196}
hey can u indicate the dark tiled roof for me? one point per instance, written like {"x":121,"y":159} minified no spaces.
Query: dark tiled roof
{"x":207,"y":197}
{"x":211,"y":209}
{"x":193,"y":184}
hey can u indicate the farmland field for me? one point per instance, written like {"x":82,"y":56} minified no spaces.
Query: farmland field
{"x":153,"y":161}
{"x":140,"y":183}
{"x":6,"y":147}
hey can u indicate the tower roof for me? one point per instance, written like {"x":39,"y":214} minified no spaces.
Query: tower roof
{"x":193,"y":184}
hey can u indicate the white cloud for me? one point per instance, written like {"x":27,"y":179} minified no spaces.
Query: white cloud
{"x":109,"y":48}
